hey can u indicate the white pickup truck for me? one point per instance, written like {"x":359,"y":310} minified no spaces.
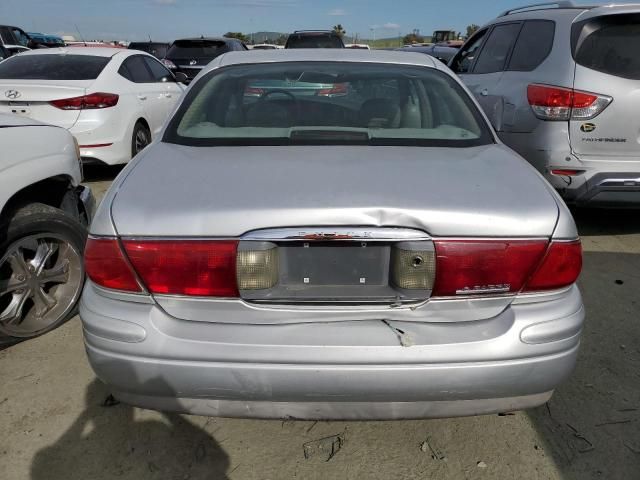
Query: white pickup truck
{"x":44,"y":213}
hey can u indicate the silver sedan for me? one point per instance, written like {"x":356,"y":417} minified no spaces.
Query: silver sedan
{"x":371,"y":251}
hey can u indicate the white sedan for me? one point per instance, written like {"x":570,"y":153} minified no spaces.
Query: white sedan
{"x":114,"y":101}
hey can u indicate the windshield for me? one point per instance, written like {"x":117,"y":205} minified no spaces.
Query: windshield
{"x":327,"y":103}
{"x":53,"y":67}
{"x":314,"y":40}
{"x":196,"y":49}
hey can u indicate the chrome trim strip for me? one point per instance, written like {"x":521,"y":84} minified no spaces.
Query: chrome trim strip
{"x":620,"y":182}
{"x":323,"y":234}
{"x":192,"y":67}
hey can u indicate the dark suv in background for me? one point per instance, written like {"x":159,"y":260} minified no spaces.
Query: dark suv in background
{"x":314,"y":39}
{"x":157,"y":49}
{"x":191,"y":55}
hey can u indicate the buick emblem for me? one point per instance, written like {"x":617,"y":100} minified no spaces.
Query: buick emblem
{"x":193,"y":62}
{"x":12,"y":94}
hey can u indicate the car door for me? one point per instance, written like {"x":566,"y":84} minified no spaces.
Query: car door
{"x":481,"y":64}
{"x":151,"y":95}
{"x":166,"y":83}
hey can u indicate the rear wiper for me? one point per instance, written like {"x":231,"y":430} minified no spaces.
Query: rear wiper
{"x":303,"y":136}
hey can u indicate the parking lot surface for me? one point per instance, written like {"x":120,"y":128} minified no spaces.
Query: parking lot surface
{"x":56,"y":420}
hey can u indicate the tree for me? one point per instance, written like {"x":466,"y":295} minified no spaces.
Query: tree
{"x":412,"y":38}
{"x":471,"y":29}
{"x":282,"y":39}
{"x":240,"y":36}
{"x":339,"y":30}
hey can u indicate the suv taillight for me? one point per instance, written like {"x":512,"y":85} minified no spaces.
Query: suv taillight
{"x":557,"y":103}
{"x":87,"y":102}
{"x":492,"y":267}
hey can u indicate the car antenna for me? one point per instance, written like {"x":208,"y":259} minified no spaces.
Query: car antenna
{"x":80,"y":33}
{"x":149,"y":38}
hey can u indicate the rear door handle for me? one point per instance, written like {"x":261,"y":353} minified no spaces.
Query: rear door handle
{"x":168,"y":95}
{"x":142,"y":97}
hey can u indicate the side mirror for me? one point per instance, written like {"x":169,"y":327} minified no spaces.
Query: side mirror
{"x":181,"y":77}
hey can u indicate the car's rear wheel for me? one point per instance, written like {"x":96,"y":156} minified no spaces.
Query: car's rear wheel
{"x":41,"y":270}
{"x":141,"y":138}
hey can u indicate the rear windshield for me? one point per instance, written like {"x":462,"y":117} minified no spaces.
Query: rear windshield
{"x":158,"y":50}
{"x":53,"y":67}
{"x":320,"y":40}
{"x":610,"y":45}
{"x":196,"y":49}
{"x":327,"y":103}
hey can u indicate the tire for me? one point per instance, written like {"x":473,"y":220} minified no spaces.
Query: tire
{"x":41,"y":270}
{"x":141,"y":138}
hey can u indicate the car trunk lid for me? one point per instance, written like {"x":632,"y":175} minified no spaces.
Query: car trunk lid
{"x":31,"y":99}
{"x":229,"y":191}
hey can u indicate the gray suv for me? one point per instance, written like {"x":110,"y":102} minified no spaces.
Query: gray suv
{"x":559,"y":83}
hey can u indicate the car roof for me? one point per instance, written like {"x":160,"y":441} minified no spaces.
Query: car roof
{"x":89,"y":51}
{"x":210,"y":39}
{"x":323,"y":55}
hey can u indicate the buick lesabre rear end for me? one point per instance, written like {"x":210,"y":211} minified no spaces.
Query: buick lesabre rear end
{"x":375,"y":253}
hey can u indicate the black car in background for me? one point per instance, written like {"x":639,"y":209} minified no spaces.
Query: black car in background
{"x":314,"y":39}
{"x":14,"y":37}
{"x":191,"y":55}
{"x":4,"y":53}
{"x":157,"y":49}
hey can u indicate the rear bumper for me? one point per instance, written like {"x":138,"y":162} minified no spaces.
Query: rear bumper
{"x":606,"y":189}
{"x":147,"y":362}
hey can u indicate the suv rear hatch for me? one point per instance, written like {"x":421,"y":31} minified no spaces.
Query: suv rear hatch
{"x":605,"y":43}
{"x":191,"y":56}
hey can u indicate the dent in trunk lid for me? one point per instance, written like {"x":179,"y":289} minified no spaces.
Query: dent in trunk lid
{"x":227,"y":191}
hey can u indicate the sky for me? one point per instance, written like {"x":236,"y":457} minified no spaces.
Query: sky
{"x":165,"y":20}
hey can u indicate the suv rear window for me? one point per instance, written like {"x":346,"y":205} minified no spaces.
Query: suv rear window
{"x":314,"y":40}
{"x":53,"y":67}
{"x":327,"y":103}
{"x":533,"y":46}
{"x":611,"y":45}
{"x":158,"y":50}
{"x":196,"y":49}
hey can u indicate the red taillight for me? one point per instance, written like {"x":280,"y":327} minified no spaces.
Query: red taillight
{"x":566,"y":173}
{"x":558,"y":103}
{"x":196,"y":268}
{"x":491,"y":267}
{"x":87,"y":102}
{"x":337,"y":90}
{"x":107,"y":266}
{"x":560,"y":268}
{"x":485,"y":267}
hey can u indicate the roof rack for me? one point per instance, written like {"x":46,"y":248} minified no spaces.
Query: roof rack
{"x":542,"y":6}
